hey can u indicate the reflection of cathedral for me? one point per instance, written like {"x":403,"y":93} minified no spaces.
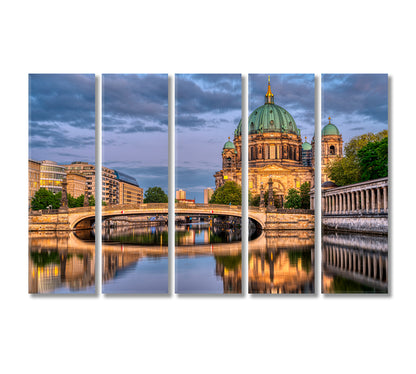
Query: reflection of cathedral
{"x":275,"y":150}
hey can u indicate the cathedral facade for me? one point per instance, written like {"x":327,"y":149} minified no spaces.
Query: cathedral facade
{"x":275,"y":151}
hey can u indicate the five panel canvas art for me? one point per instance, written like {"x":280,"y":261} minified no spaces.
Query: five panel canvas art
{"x":275,"y":157}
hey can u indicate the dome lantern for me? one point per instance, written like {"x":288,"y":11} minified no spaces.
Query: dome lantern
{"x":269,"y":95}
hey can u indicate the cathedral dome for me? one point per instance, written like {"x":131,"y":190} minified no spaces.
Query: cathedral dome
{"x":229,"y":145}
{"x":306,"y":146}
{"x":270,"y":118}
{"x":330,"y":129}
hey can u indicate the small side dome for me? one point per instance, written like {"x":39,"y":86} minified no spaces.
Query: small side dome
{"x":330,"y":129}
{"x":328,"y":184}
{"x":229,"y":144}
{"x":306,"y":146}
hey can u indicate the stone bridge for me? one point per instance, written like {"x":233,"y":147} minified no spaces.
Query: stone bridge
{"x":83,"y":218}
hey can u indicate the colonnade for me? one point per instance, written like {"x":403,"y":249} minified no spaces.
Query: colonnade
{"x":369,"y":197}
{"x":370,"y":265}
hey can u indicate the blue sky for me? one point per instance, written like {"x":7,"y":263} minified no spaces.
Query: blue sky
{"x":62,"y":117}
{"x":356,"y":103}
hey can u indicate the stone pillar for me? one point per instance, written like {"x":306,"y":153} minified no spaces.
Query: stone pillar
{"x":347,"y":194}
{"x":357,"y":200}
{"x":369,"y":265}
{"x":64,"y":198}
{"x":385,"y":200}
{"x":270,"y":203}
{"x":262,"y":205}
{"x":362,"y":205}
{"x":367,"y":201}
{"x":342,"y":203}
{"x":359,"y":264}
{"x":86,"y":202}
{"x":337,"y":204}
{"x":354,"y":257}
{"x":378,"y":200}
{"x":353,"y":201}
{"x":374,"y":267}
{"x":373,"y":200}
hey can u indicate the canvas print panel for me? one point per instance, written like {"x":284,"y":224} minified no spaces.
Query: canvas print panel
{"x":280,"y":177}
{"x":135,"y":183}
{"x":61,"y":198}
{"x":354,"y":162}
{"x":208,"y":184}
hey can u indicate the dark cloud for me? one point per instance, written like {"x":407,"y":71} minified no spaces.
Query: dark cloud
{"x":360,"y":94}
{"x":199,"y":94}
{"x":135,"y":103}
{"x":67,"y":99}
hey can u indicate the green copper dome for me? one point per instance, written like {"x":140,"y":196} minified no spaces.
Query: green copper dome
{"x":229,"y":145}
{"x":306,"y":146}
{"x":330,"y":129}
{"x":270,"y":118}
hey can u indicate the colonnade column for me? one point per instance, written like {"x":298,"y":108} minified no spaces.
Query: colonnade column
{"x":385,"y":201}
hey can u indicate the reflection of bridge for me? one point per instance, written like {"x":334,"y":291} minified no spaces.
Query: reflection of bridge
{"x":72,"y":218}
{"x":359,"y":258}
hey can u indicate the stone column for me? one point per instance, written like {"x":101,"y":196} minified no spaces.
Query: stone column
{"x":270,"y":203}
{"x":362,"y":205}
{"x":347,"y":194}
{"x":373,"y":200}
{"x":380,"y":265}
{"x":364,"y":264}
{"x":353,"y":201}
{"x":378,"y":200}
{"x":367,"y":201}
{"x":385,"y":200}
{"x":357,"y":200}
{"x":374,"y":267}
{"x":64,"y":198}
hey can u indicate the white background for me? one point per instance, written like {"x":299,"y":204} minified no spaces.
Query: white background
{"x":213,"y":334}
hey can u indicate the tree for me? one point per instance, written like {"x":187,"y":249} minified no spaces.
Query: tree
{"x":155,"y":195}
{"x":43,"y":199}
{"x":349,"y":170}
{"x":292,"y":199}
{"x":75,"y":202}
{"x":373,"y":160}
{"x":305,"y":189}
{"x":230,"y":192}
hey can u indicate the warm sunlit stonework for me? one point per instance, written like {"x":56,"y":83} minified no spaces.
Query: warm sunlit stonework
{"x":274,"y":151}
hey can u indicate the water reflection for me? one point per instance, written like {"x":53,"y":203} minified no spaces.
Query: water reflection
{"x":60,"y":262}
{"x":282,"y":262}
{"x":207,"y":259}
{"x":354,"y":263}
{"x":135,"y":259}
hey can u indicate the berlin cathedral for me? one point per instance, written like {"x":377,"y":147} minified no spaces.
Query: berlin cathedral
{"x":276,"y":151}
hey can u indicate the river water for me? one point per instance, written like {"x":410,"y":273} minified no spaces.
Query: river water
{"x":354,"y":263}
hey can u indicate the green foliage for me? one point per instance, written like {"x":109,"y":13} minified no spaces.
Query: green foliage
{"x":353,"y":168}
{"x":155,"y":195}
{"x":292,"y":199}
{"x":44,"y":198}
{"x":75,"y":202}
{"x":230,"y":192}
{"x":373,"y":159}
{"x":304,"y":192}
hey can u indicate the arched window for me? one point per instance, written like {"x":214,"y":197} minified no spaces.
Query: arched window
{"x":253,"y":157}
{"x":332,"y":150}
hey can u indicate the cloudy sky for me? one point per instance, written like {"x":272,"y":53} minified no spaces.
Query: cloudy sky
{"x":207,"y":111}
{"x":356,"y":103}
{"x":62,"y":117}
{"x":135,"y":126}
{"x":294,"y":92}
